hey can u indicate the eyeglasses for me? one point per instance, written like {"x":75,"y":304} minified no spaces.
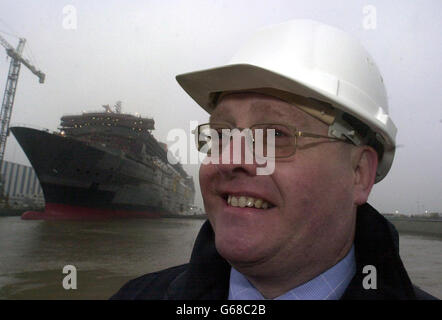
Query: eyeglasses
{"x":281,"y":137}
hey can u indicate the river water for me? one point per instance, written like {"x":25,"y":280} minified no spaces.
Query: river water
{"x":106,"y":254}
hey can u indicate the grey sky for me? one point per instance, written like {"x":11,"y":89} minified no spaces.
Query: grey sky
{"x":132,"y":50}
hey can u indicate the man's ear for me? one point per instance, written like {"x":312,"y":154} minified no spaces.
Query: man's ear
{"x":364,"y":165}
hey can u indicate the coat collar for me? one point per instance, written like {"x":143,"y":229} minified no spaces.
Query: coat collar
{"x":207,"y":276}
{"x":376,"y":243}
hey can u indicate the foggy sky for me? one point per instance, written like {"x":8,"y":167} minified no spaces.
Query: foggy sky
{"x":132,"y":51}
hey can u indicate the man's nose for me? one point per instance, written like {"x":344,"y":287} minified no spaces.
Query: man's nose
{"x":237,"y":155}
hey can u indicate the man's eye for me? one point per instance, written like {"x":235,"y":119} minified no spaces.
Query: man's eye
{"x":205,"y":137}
{"x":279,"y":133}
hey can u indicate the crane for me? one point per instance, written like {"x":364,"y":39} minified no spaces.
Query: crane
{"x":11,"y":85}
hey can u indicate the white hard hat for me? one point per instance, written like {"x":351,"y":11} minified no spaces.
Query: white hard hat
{"x":308,"y":59}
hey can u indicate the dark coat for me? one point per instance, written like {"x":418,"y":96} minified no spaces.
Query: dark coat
{"x":207,"y":275}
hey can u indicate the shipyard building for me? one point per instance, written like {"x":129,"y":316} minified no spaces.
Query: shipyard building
{"x":21,"y":185}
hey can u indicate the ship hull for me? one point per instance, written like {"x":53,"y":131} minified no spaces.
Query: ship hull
{"x":87,"y":181}
{"x":58,"y":211}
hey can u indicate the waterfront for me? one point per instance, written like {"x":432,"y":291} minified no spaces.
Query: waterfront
{"x":108,"y":253}
{"x":105,"y":253}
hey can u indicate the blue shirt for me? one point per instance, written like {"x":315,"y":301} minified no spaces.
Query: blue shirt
{"x":329,"y":285}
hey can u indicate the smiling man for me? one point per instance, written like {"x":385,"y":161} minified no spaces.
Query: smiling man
{"x":303,"y":231}
{"x":311,"y":195}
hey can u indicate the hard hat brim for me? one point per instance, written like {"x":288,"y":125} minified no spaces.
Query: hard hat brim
{"x":200,"y":85}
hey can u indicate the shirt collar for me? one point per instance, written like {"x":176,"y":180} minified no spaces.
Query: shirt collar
{"x":329,"y":285}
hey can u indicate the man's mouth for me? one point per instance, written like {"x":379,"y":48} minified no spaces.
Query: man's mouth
{"x":244,"y":201}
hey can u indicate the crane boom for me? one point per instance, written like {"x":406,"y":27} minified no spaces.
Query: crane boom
{"x":11,"y":85}
{"x":16,"y":54}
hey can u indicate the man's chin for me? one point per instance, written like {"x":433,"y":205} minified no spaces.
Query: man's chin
{"x":238,"y":250}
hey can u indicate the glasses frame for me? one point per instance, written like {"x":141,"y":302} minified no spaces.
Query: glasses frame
{"x":296,"y":134}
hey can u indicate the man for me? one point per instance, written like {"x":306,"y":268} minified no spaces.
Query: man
{"x":303,"y":231}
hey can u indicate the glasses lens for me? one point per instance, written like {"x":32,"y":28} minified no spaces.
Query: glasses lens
{"x":274,"y":140}
{"x":270,"y":140}
{"x":210,"y":136}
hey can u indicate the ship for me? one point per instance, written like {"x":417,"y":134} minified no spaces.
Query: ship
{"x":103,"y":164}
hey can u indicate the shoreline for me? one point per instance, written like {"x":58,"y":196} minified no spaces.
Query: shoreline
{"x":17,"y":212}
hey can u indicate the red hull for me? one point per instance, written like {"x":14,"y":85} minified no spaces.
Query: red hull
{"x":54,"y":211}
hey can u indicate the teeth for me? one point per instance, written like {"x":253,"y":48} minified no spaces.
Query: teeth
{"x":244,"y":201}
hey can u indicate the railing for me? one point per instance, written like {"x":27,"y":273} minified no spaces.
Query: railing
{"x":101,"y":112}
{"x":32,"y":126}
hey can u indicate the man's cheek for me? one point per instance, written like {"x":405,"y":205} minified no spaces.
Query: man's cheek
{"x":205,"y":172}
{"x":204,"y":182}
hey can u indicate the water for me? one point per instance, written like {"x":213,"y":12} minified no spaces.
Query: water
{"x":107,"y":254}
{"x":422,"y":257}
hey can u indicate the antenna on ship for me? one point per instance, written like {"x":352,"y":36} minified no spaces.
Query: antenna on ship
{"x":107,"y":108}
{"x":118,"y":107}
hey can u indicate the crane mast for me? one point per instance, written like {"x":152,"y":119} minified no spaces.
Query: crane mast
{"x":11,"y":86}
